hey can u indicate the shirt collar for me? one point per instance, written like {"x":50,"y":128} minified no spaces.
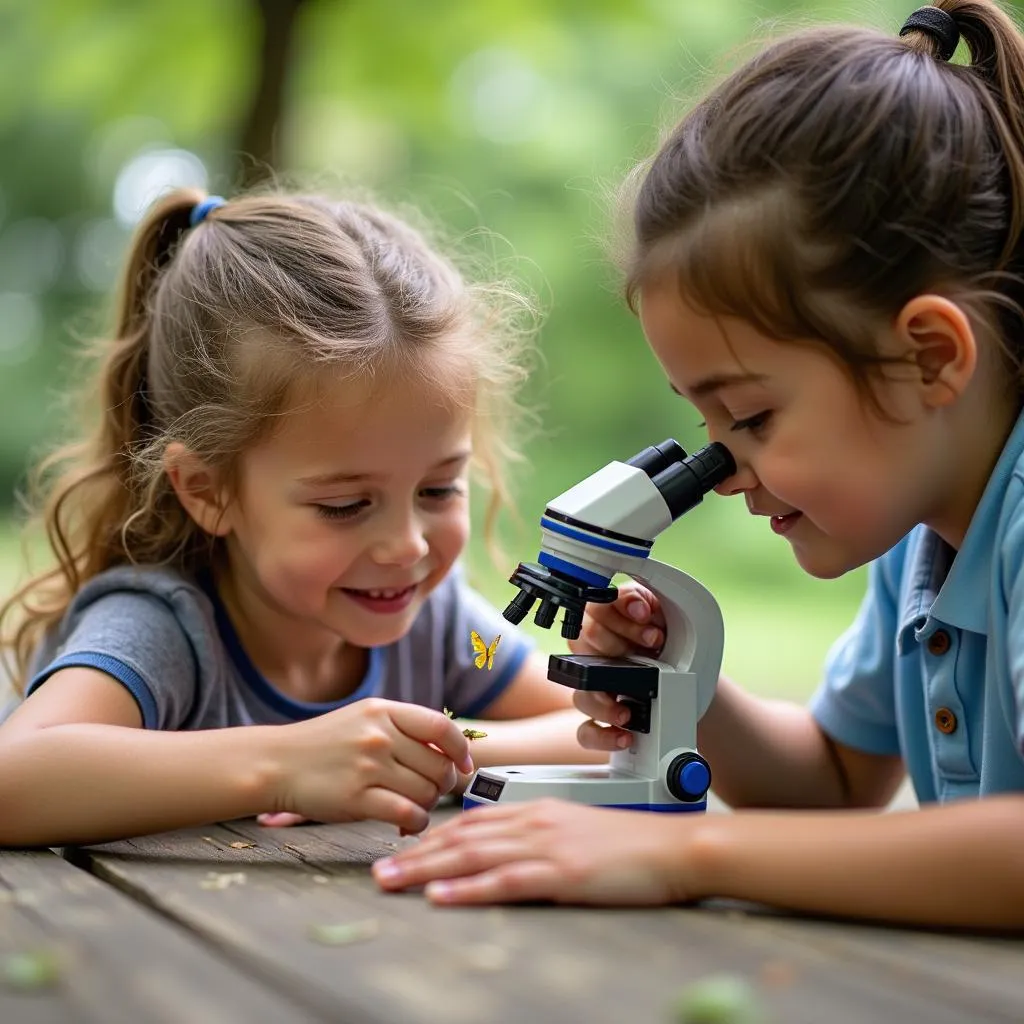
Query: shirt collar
{"x":961,"y":599}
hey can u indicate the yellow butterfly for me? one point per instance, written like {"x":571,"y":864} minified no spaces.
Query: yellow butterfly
{"x":482,"y":651}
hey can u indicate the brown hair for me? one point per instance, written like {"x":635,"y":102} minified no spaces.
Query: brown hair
{"x":841,"y":172}
{"x":215,"y":327}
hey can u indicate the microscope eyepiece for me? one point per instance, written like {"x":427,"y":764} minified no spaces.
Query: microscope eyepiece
{"x":658,"y":457}
{"x":685,"y":483}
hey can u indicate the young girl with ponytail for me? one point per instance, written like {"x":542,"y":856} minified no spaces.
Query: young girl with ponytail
{"x":828,"y":262}
{"x":254,"y":603}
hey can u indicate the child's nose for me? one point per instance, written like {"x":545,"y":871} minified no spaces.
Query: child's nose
{"x":742,"y":480}
{"x":402,"y":543}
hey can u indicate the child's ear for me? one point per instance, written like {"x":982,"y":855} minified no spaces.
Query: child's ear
{"x":942,"y":345}
{"x":198,"y":488}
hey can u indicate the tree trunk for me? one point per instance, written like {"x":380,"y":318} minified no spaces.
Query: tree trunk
{"x":259,"y":154}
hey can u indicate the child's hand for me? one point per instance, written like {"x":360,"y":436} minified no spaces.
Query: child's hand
{"x":545,"y":850}
{"x":632,"y":624}
{"x":377,"y":759}
{"x":281,"y":819}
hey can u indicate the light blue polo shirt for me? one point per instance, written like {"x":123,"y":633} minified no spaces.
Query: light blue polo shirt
{"x":933,"y":666}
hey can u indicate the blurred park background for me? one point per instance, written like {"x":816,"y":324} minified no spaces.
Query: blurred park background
{"x":507,"y":122}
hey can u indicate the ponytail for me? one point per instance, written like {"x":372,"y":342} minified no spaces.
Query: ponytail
{"x":84,"y":493}
{"x":996,"y":49}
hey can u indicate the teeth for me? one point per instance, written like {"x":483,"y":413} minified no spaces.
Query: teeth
{"x":386,"y":595}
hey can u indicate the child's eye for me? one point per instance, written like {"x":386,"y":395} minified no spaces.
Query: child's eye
{"x":755,"y":424}
{"x":442,"y":493}
{"x":335,"y":512}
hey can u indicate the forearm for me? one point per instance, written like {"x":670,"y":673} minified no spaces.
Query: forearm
{"x":89,"y":783}
{"x":542,"y":739}
{"x":958,"y":865}
{"x":767,"y":753}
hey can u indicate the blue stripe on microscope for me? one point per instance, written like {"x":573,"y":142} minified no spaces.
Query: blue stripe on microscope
{"x":589,"y":538}
{"x":468,"y":803}
{"x":572,"y":570}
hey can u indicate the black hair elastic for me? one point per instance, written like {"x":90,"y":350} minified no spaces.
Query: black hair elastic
{"x":939,"y":25}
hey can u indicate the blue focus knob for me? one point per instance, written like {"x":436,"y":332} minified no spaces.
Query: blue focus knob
{"x":689,"y":777}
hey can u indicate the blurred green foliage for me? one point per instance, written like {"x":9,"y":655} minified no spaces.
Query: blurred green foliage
{"x":508,"y":122}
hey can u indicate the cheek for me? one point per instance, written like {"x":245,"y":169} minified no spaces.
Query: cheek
{"x":455,"y":531}
{"x":303,"y":548}
{"x":855,"y":501}
{"x":449,"y":537}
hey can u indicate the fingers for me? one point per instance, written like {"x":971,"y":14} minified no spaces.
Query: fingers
{"x":451,"y":860}
{"x":592,"y":736}
{"x":282,"y":819}
{"x":429,"y":726}
{"x":604,"y":632}
{"x":492,"y":874}
{"x":410,"y":784}
{"x":634,"y":620}
{"x":478,"y":822}
{"x":601,"y":706}
{"x":381,"y":804}
{"x":510,"y":883}
{"x":487,"y":855}
{"x":426,"y":762}
{"x":604,"y":708}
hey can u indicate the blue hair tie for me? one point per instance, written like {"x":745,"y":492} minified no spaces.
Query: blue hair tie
{"x":200,"y":210}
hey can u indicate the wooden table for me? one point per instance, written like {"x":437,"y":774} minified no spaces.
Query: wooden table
{"x":234,"y":923}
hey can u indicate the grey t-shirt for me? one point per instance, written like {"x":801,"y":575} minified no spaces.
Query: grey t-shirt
{"x":170,"y":643}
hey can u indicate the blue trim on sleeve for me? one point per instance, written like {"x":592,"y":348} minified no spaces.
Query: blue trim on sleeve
{"x":297,"y":710}
{"x":114,"y":667}
{"x":508,"y":673}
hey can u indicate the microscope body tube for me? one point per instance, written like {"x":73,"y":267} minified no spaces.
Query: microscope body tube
{"x":619,"y":498}
{"x":623,"y":500}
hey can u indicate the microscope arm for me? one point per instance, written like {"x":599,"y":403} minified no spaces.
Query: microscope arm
{"x":694,"y":628}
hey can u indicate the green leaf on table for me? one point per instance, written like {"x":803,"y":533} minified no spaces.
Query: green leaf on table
{"x":346,"y":933}
{"x":718,"y":999}
{"x":26,"y":972}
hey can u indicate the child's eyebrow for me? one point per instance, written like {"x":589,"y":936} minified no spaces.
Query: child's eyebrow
{"x":718,"y":381}
{"x":325,"y":479}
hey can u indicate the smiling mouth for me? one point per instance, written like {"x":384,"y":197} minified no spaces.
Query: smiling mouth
{"x":782,"y":524}
{"x":386,"y":594}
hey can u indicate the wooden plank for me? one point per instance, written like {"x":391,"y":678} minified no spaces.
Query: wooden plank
{"x":21,"y":934}
{"x":427,"y":965}
{"x":119,"y":963}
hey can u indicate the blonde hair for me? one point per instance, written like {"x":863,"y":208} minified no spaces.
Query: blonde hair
{"x":215,"y":326}
{"x":841,"y":172}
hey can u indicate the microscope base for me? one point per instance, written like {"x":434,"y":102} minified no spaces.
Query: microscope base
{"x":594,"y":785}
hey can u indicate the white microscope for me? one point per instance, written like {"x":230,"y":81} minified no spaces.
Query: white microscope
{"x":606,"y":525}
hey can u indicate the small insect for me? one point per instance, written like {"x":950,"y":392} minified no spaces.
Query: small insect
{"x":483,"y":652}
{"x":470,"y":734}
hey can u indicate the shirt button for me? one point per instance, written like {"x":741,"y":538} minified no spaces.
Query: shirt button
{"x":945,"y":721}
{"x":938,"y":642}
